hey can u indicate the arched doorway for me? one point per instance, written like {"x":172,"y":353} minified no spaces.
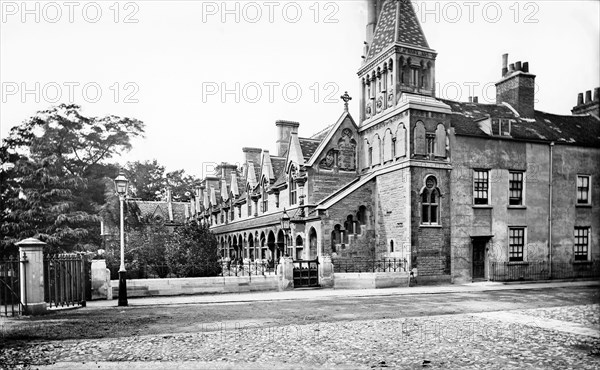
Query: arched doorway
{"x":280,"y":245}
{"x":299,"y":247}
{"x":251,"y":246}
{"x":272,"y":248}
{"x":312,"y":243}
{"x":263,"y":246}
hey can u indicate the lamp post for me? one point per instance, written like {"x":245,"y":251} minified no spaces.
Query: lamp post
{"x":285,"y":226}
{"x":121,"y":184}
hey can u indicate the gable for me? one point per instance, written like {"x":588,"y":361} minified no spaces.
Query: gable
{"x":339,"y":149}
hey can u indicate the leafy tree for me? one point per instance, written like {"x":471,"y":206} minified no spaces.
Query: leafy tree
{"x":56,"y":187}
{"x":146,"y":179}
{"x":192,"y":251}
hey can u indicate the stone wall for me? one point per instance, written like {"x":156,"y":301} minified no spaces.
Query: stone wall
{"x":206,"y":285}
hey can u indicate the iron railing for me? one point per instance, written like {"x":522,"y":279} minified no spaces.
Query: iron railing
{"x":540,"y":270}
{"x":10,"y":289}
{"x":65,"y":280}
{"x":205,"y":269}
{"x":362,"y":265}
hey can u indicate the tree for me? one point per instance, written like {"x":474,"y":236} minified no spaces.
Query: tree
{"x":192,"y":251}
{"x":146,"y":179}
{"x":56,"y":187}
{"x":182,"y":185}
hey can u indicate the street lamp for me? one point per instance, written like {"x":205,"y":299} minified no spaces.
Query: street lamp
{"x":285,"y":226}
{"x":121,"y":184}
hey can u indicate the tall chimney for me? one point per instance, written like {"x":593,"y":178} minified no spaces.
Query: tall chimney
{"x":588,"y":96}
{"x":504,"y":64}
{"x":517,"y":88}
{"x":284,"y":131}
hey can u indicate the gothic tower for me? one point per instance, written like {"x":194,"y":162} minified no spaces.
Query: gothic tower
{"x":397,"y":57}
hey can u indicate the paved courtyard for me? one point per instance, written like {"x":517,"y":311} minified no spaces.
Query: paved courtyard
{"x":527,"y":328}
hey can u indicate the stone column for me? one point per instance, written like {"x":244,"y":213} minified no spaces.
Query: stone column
{"x":326,"y":274}
{"x":101,"y":288}
{"x":285,"y":273}
{"x":31,"y":254}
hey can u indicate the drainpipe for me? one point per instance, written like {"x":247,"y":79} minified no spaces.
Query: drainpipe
{"x":550,"y":213}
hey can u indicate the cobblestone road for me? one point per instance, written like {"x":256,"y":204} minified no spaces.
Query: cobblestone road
{"x":475,"y":341}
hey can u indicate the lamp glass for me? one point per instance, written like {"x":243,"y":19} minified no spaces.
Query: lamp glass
{"x":121,"y":184}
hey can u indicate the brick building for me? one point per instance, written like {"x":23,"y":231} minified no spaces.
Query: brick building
{"x":449,"y":186}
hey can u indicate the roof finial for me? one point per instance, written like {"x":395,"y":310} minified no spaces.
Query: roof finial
{"x":346,"y":98}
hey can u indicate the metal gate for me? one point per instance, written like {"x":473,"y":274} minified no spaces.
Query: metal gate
{"x":306,"y":274}
{"x":66,"y":280}
{"x":10,"y":287}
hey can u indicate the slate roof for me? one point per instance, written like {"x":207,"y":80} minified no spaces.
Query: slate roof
{"x":581,"y":130}
{"x":309,"y":146}
{"x":321,"y":134}
{"x":153,"y":208}
{"x":397,"y":23}
{"x":278,"y":164}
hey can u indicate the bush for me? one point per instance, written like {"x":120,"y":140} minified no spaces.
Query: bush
{"x":191,"y":251}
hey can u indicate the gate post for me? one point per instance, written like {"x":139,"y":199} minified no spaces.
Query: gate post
{"x":31,"y":276}
{"x":101,"y":288}
{"x":325,"y":271}
{"x":285,"y":272}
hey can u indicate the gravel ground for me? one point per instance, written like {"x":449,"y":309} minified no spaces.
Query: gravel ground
{"x":448,"y":341}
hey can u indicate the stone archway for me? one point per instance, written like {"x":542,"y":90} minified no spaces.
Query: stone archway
{"x":312,"y":243}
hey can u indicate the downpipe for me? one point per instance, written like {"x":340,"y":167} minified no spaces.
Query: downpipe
{"x":551,"y":146}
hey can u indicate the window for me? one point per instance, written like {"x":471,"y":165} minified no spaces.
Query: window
{"x":415,"y":77}
{"x":480,"y":186}
{"x":265,"y":198}
{"x":580,"y":249}
{"x":583,"y":190}
{"x":391,"y":246}
{"x":431,"y":143}
{"x":515,"y":188}
{"x":249,"y":202}
{"x":516,"y":243}
{"x":430,"y":202}
{"x":370,"y":156}
{"x":232,"y":214}
{"x":293,"y":192}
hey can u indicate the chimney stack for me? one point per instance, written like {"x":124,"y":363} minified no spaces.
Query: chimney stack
{"x":284,"y":131}
{"x":517,"y":88}
{"x":589,"y":105}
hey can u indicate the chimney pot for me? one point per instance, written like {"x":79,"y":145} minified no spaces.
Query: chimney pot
{"x":580,"y":99}
{"x":588,"y":96}
{"x":526,"y":67}
{"x":518,"y":66}
{"x":504,"y":64}
{"x":511,"y":67}
{"x":475,"y":99}
{"x":596,"y":94}
{"x":470,"y":99}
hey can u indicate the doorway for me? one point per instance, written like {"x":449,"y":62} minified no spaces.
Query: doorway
{"x":478,"y":258}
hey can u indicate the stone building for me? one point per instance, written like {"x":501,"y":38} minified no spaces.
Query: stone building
{"x":448,"y":186}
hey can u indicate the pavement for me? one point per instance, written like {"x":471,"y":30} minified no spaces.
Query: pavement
{"x":308,"y":293}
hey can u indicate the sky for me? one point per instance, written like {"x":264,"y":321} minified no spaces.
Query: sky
{"x":211,"y":77}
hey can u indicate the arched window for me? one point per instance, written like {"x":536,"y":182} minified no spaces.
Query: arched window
{"x":420,"y":140}
{"x":400,"y":141}
{"x":430,"y":202}
{"x":336,"y":238}
{"x":299,"y":247}
{"x":440,"y":141}
{"x":265,"y":197}
{"x":362,"y":215}
{"x":293,"y":190}
{"x":312,"y":243}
